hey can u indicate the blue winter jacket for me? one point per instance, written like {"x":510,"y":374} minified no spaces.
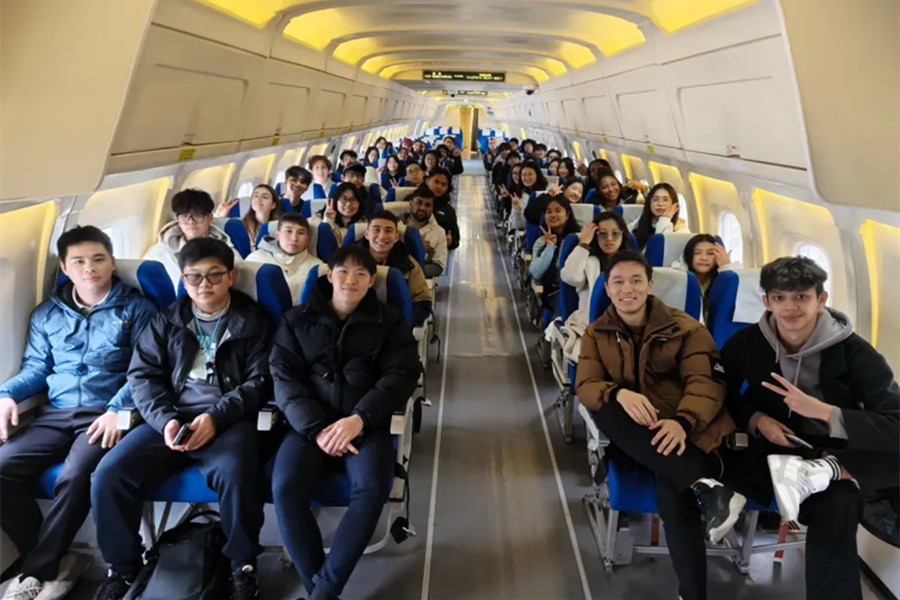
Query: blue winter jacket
{"x":81,"y":361}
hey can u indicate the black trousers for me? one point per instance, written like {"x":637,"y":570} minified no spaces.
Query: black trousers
{"x":56,"y":435}
{"x":682,"y":521}
{"x":832,"y":516}
{"x":230,"y":464}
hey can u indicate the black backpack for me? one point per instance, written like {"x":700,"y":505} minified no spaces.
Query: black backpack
{"x":186,"y":563}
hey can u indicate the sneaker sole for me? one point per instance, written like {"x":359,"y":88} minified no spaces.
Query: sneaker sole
{"x":58,"y":589}
{"x":735,"y":506}
{"x":783,"y":497}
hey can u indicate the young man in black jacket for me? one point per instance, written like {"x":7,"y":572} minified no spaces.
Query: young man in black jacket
{"x":203,"y":363}
{"x":802,"y":372}
{"x":342,"y":364}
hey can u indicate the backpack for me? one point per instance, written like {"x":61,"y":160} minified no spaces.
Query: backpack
{"x":186,"y":563}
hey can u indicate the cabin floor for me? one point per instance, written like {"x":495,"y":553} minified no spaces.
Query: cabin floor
{"x":499,"y":511}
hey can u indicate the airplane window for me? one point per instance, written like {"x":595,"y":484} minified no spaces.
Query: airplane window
{"x":246,"y":190}
{"x":732,"y":236}
{"x":115,"y":236}
{"x":683,"y":213}
{"x":279,"y":178}
{"x":816,"y":253}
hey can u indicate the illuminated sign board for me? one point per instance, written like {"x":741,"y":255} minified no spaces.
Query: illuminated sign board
{"x":465,"y":93}
{"x":463,"y":76}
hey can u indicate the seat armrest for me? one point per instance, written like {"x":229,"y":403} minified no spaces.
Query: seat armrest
{"x":28,"y":411}
{"x":269,"y":416}
{"x":128,"y":418}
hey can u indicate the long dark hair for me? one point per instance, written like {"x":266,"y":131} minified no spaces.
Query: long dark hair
{"x":249,"y":220}
{"x":540,"y":183}
{"x":570,"y":165}
{"x":625,"y":244}
{"x":336,"y":193}
{"x":571,"y":225}
{"x":645,"y":227}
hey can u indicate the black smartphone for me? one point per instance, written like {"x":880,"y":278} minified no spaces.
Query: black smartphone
{"x":798,"y":441}
{"x":183,"y":435}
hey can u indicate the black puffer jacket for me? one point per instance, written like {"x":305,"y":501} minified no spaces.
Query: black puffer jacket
{"x":325,"y":370}
{"x":165,"y":352}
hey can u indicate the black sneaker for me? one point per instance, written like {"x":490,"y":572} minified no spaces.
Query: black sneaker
{"x":721,"y":506}
{"x":114,"y":587}
{"x":245,"y":584}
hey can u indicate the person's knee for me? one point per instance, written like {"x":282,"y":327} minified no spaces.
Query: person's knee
{"x":109,"y":473}
{"x":836,"y":507}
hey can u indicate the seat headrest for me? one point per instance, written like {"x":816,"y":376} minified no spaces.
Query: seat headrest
{"x":568,"y":297}
{"x":355,"y":233}
{"x":663,"y":249}
{"x":748,"y":305}
{"x":397,"y":207}
{"x":390,"y":288}
{"x":312,"y":207}
{"x":402,"y":193}
{"x":236,"y":232}
{"x":372,"y":176}
{"x":734,"y":301}
{"x":674,"y":287}
{"x":584,"y":213}
{"x":630,"y":212}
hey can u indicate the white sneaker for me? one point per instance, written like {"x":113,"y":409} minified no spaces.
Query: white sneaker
{"x":71,"y":567}
{"x":794,"y":480}
{"x":20,"y":588}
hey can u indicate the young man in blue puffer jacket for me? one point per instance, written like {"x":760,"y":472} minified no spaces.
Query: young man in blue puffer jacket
{"x":79,"y":346}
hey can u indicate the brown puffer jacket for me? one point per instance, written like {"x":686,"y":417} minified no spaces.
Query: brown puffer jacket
{"x":679,"y":370}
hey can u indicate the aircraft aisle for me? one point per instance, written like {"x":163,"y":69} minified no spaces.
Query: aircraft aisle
{"x":499,"y":526}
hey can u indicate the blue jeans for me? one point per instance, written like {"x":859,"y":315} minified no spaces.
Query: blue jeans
{"x":142,"y":461}
{"x":299,"y":466}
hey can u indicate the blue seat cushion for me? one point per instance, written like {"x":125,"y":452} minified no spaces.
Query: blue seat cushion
{"x":190,"y":486}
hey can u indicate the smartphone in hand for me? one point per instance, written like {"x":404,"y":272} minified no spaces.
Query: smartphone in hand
{"x":183,"y":435}
{"x":798,"y":441}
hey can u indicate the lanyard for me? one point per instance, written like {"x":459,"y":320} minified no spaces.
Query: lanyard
{"x":207,"y":342}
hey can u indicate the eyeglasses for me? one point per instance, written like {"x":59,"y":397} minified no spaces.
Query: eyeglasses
{"x":348,"y":200}
{"x":195,"y":279}
{"x":192,"y":217}
{"x":609,"y":235}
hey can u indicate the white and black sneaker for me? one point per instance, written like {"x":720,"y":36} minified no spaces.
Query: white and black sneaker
{"x":795,"y":479}
{"x":721,"y":507}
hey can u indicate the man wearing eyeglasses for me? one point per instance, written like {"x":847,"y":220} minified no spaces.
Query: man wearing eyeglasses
{"x":193,"y":210}
{"x":199,"y":376}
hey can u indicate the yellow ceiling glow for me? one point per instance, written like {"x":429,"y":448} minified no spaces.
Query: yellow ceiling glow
{"x":318,"y":28}
{"x":576,"y":54}
{"x":611,"y":34}
{"x":351,"y":52}
{"x":255,"y":12}
{"x":672,"y":15}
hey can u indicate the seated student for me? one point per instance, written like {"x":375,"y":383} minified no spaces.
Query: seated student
{"x":84,"y":374}
{"x":704,"y":256}
{"x":193,"y":210}
{"x":609,"y":193}
{"x":660,"y":215}
{"x":807,"y":374}
{"x":296,"y":181}
{"x":572,"y":190}
{"x":598,"y":242}
{"x":431,"y":160}
{"x":343,"y":209}
{"x":454,"y":156}
{"x":528,"y":149}
{"x":651,"y":374}
{"x":438,"y":181}
{"x":202,"y":362}
{"x":289,"y":249}
{"x":553,"y":154}
{"x":560,"y":222}
{"x":553,"y":167}
{"x":510,"y":192}
{"x":384,"y":148}
{"x":393,"y":172}
{"x":355,"y":173}
{"x":347,"y":156}
{"x":540,"y":151}
{"x":417,"y":152}
{"x":340,"y":419}
{"x":499,"y":158}
{"x":590,"y":173}
{"x":382,"y":238}
{"x":421,"y":216}
{"x":566,"y":169}
{"x":414,"y":176}
{"x":533,"y":182}
{"x":514,"y":144}
{"x":487,"y":158}
{"x":403,"y":156}
{"x":320,"y":166}
{"x":264,"y":207}
{"x":372,"y":157}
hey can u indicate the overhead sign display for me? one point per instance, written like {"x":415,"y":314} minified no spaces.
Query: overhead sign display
{"x":463,"y":76}
{"x":465,"y":93}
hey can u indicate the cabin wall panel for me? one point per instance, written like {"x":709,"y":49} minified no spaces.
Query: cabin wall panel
{"x":642,"y":106}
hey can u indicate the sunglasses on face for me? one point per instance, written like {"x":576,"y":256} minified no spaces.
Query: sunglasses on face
{"x":195,"y":279}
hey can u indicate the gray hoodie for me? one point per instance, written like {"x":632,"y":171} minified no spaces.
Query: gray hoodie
{"x":295,"y":267}
{"x":802,"y":367}
{"x":171,"y":241}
